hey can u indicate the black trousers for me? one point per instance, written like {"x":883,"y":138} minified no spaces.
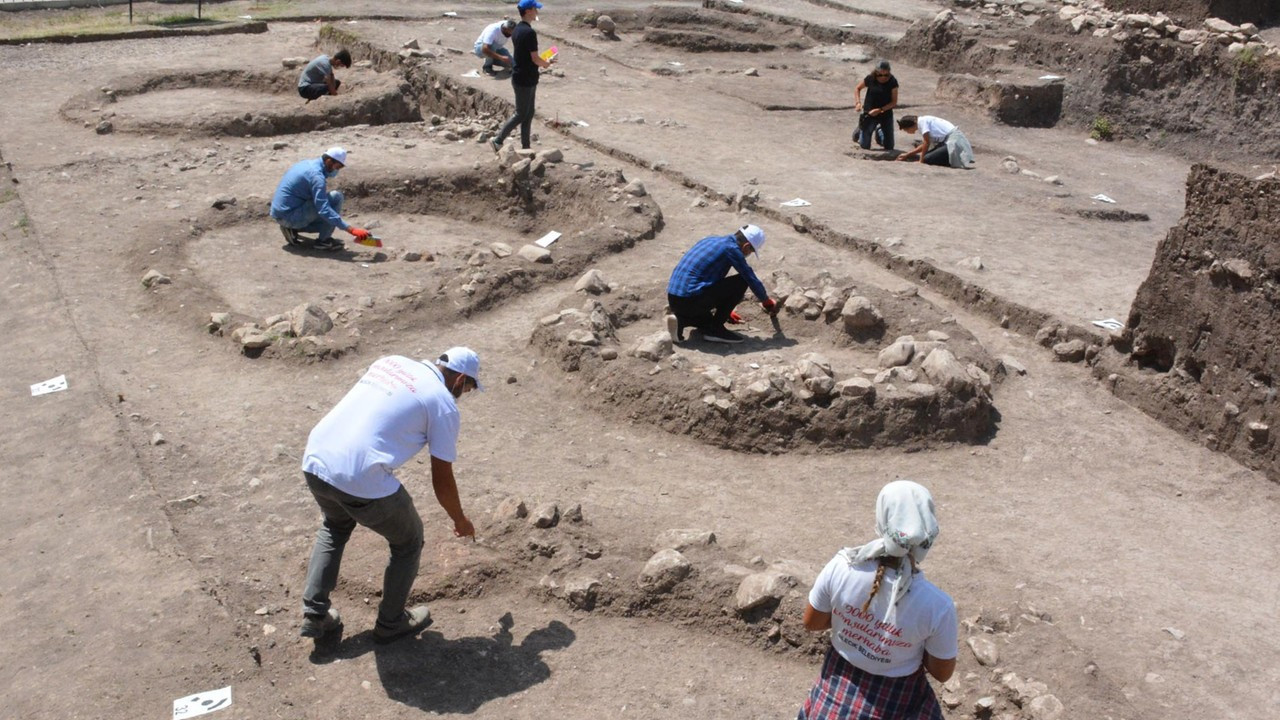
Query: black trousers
{"x":711,"y":307}
{"x":315,"y":90}
{"x":938,"y":154}
{"x":526,"y":98}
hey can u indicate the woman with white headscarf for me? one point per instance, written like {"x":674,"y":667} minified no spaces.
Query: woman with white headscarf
{"x":889,"y":625}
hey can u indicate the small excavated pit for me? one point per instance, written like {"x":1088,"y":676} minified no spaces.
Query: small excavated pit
{"x":453,"y":247}
{"x":241,"y":103}
{"x":1020,"y":102}
{"x":697,"y":30}
{"x":825,"y":379}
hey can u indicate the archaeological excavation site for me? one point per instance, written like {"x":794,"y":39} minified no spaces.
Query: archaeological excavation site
{"x":1067,"y":341}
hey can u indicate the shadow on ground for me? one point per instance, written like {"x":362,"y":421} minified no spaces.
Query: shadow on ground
{"x":434,"y":674}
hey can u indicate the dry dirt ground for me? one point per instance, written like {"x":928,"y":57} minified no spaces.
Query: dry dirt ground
{"x":156,"y":528}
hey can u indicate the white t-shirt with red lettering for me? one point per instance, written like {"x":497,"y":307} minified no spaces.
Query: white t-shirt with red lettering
{"x":398,"y":407}
{"x":925,"y":619}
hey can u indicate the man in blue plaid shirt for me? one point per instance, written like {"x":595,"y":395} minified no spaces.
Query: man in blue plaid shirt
{"x":702,"y":294}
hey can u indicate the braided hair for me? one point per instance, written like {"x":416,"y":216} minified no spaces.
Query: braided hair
{"x":880,"y":566}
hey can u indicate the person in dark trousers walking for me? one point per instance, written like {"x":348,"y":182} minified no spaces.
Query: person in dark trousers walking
{"x":877,"y":118}
{"x":702,"y":294}
{"x":524,"y":74}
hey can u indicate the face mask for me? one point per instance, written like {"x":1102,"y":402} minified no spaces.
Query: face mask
{"x":331,"y":173}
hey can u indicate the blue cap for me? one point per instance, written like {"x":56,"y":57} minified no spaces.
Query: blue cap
{"x":526,"y":4}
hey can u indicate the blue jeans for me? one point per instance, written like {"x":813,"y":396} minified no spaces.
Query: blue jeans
{"x":393,"y":517}
{"x":488,"y":61}
{"x":880,"y":125}
{"x":306,"y":219}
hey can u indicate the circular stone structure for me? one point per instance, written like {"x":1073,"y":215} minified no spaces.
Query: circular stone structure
{"x":240,"y":103}
{"x":458,"y":240}
{"x":847,"y":366}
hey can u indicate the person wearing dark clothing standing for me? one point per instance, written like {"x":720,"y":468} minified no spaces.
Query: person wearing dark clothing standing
{"x":524,"y":74}
{"x":877,"y":117}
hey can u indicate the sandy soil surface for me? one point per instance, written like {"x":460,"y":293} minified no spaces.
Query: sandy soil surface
{"x":157,"y":529}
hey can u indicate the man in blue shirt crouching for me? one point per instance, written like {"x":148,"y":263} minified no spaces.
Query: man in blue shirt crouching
{"x":303,"y":203}
{"x":702,"y":294}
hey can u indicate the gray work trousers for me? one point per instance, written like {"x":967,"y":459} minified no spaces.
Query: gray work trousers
{"x":393,"y":517}
{"x":525,"y":96}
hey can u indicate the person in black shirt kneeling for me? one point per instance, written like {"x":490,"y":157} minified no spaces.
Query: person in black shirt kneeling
{"x":882,"y":97}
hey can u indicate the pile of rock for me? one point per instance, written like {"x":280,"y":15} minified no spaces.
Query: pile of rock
{"x":1000,"y":694}
{"x":459,"y":129}
{"x":1094,"y":17}
{"x":306,"y":321}
{"x":1065,"y":347}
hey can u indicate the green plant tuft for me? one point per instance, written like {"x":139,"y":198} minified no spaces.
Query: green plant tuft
{"x":1102,"y":129}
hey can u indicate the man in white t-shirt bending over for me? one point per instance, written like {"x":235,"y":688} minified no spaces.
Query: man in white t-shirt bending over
{"x":398,"y":407}
{"x":491,"y":45}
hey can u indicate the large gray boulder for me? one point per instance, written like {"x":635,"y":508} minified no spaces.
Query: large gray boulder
{"x":308,"y":320}
{"x":664,"y":571}
{"x":682,"y":539}
{"x":944,"y":369}
{"x":653,"y":347}
{"x":762,"y":588}
{"x":860,"y":316}
{"x":899,"y":353}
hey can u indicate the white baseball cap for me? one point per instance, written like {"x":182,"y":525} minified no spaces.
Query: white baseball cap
{"x":463,"y":360}
{"x":337,"y":154}
{"x":755,"y":236}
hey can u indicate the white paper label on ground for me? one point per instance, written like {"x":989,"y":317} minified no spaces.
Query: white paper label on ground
{"x":1109,"y":324}
{"x":201,"y":703}
{"x":1103,"y":198}
{"x":49,"y":386}
{"x":546,"y":240}
{"x":796,"y":203}
{"x":450,"y":13}
{"x":581,"y":123}
{"x":471,"y":73}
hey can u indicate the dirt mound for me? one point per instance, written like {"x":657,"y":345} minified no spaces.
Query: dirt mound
{"x":855,"y":368}
{"x":1236,"y":11}
{"x":1197,"y":352}
{"x":1200,"y":98}
{"x":239,"y":103}
{"x":252,"y":302}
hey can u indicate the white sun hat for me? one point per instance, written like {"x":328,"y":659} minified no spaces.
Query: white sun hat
{"x":463,"y":360}
{"x":755,"y":236}
{"x":337,"y":154}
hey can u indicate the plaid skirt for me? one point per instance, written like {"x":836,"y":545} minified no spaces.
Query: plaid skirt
{"x":843,"y":692}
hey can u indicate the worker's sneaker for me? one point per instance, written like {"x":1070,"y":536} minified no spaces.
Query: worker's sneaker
{"x":321,"y":625}
{"x":674,"y":329}
{"x":329,"y":245}
{"x":410,"y":622}
{"x":290,"y":235}
{"x":722,"y":335}
{"x":493,"y":143}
